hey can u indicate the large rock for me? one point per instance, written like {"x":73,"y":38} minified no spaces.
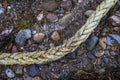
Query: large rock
{"x":22,"y":36}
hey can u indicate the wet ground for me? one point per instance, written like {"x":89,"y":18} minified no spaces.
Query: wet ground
{"x":96,"y":59}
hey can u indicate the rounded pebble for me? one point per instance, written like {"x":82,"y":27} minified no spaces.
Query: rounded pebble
{"x":38,"y":36}
{"x":9,"y":73}
{"x":22,"y":36}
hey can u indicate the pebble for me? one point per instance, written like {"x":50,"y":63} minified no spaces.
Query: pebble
{"x":36,"y":78}
{"x":19,"y":69}
{"x":38,"y":37}
{"x":52,"y":17}
{"x":91,"y":42}
{"x":26,"y":77}
{"x":2,"y":10}
{"x":49,"y":5}
{"x":55,"y":36}
{"x":9,"y":73}
{"x":109,"y":41}
{"x":99,"y":53}
{"x":105,"y":60}
{"x":71,"y":55}
{"x":88,"y":12}
{"x":115,"y":20}
{"x":116,"y":37}
{"x":14,"y":49}
{"x":40,"y":17}
{"x":33,"y":70}
{"x":91,"y":56}
{"x":67,"y":5}
{"x":22,"y":36}
{"x":102,"y":42}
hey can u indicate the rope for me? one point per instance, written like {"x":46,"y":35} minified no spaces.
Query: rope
{"x":70,"y":45}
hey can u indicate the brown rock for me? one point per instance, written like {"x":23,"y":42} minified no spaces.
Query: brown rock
{"x":52,"y":17}
{"x":102,"y":42}
{"x":14,"y":49}
{"x":36,"y":78}
{"x":55,"y":36}
{"x":49,"y":5}
{"x":39,"y":36}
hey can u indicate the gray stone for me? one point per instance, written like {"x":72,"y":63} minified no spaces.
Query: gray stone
{"x":22,"y":36}
{"x":9,"y":73}
{"x":91,"y":42}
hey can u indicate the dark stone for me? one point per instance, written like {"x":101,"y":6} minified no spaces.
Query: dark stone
{"x":91,"y":56}
{"x":92,"y":41}
{"x":33,"y":70}
{"x":105,"y":60}
{"x":71,"y":55}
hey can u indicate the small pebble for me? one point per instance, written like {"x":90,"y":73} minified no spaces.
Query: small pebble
{"x":14,"y":49}
{"x":89,"y":12}
{"x":55,"y":36}
{"x":105,"y":60}
{"x":26,"y":77}
{"x":2,"y":10}
{"x":36,"y":78}
{"x":91,"y":42}
{"x":67,"y":5}
{"x":22,"y":36}
{"x":49,"y":5}
{"x":52,"y":17}
{"x":99,"y":53}
{"x":40,"y":17}
{"x":115,"y":20}
{"x":9,"y":73}
{"x":19,"y":69}
{"x":71,"y":55}
{"x":102,"y":42}
{"x":38,"y":37}
{"x":91,"y":56}
{"x":33,"y":70}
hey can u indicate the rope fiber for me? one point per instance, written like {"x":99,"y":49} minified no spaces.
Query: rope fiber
{"x":41,"y":57}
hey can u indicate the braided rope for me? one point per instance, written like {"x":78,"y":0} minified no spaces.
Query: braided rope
{"x":70,"y":45}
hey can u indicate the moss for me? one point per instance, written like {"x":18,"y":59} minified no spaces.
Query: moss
{"x":22,"y":24}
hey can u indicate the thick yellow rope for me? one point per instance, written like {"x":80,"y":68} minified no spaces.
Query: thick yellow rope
{"x":70,"y":45}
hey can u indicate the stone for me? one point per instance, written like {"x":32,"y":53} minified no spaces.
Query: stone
{"x":33,"y":70}
{"x":102,"y":42}
{"x":9,"y":73}
{"x":67,"y":5}
{"x":52,"y":17}
{"x":2,"y":10}
{"x":91,"y":56}
{"x":26,"y":77}
{"x":38,"y":37}
{"x":109,"y":41}
{"x":99,"y":53}
{"x":36,"y":78}
{"x":71,"y":55}
{"x":40,"y":17}
{"x":105,"y":60}
{"x":88,"y":12}
{"x":49,"y":5}
{"x":14,"y":49}
{"x":92,"y":41}
{"x":22,"y":36}
{"x":115,"y":20}
{"x":19,"y":69}
{"x":55,"y":36}
{"x":115,"y":37}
